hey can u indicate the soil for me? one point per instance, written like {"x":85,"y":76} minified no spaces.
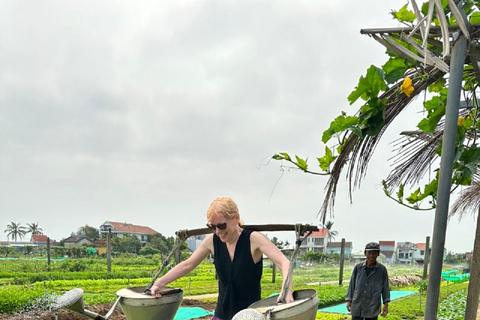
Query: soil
{"x":101,"y":309}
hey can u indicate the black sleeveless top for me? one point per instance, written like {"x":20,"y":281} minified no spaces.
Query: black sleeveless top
{"x":238,"y":280}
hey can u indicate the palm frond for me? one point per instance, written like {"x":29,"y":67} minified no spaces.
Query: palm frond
{"x":357,"y":152}
{"x":469,"y":200}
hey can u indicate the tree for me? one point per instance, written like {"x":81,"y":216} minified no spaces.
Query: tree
{"x":129,"y":244}
{"x":161,"y":243}
{"x":15,"y":230}
{"x":314,"y":256}
{"x":33,"y":228}
{"x":148,"y":250}
{"x":331,"y":234}
{"x":419,"y":60}
{"x":469,"y":202}
{"x":89,"y":232}
{"x":280,"y":244}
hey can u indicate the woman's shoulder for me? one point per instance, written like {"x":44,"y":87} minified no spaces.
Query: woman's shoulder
{"x":257,"y":236}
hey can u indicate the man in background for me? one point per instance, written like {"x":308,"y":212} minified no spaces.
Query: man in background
{"x":368,"y":283}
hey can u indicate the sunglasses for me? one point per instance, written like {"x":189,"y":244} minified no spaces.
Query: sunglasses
{"x":220,"y":226}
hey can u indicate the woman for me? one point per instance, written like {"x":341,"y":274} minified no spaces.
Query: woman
{"x":237,"y":255}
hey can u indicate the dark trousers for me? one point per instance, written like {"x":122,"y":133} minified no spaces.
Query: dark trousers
{"x":360,"y":318}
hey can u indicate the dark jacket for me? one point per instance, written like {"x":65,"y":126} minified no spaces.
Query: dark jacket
{"x":365,"y":290}
{"x":238,"y":280}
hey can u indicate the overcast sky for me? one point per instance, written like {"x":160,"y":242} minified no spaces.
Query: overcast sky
{"x":144,"y":112}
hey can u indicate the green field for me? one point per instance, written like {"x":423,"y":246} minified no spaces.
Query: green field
{"x":35,"y":279}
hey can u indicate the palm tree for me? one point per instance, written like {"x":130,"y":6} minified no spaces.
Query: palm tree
{"x":469,"y":202}
{"x":15,"y":230}
{"x":33,"y":228}
{"x":331,"y":234}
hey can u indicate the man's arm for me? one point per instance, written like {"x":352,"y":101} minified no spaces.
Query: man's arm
{"x":351,"y":285}
{"x":385,"y":293}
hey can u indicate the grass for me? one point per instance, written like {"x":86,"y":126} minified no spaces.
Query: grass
{"x":100,"y":286}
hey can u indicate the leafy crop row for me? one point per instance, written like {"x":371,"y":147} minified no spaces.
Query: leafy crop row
{"x":20,"y":298}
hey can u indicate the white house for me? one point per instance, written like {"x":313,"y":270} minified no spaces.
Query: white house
{"x":121,"y":229}
{"x":316,"y":242}
{"x":405,"y":252}
{"x":419,"y":252}
{"x":387,"y":248}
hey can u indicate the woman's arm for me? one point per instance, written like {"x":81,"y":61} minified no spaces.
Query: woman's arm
{"x":184,"y":267}
{"x":265,"y":246}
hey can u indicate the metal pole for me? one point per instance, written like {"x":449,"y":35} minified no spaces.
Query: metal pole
{"x":342,"y":260}
{"x":426,"y":258}
{"x":445,"y":176}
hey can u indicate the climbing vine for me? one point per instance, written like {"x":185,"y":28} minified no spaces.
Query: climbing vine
{"x":388,"y":89}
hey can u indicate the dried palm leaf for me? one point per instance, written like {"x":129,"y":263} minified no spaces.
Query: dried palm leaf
{"x":469,"y":200}
{"x":356,"y":152}
{"x":415,"y":153}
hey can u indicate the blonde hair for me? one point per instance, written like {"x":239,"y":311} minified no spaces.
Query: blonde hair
{"x":225,"y":206}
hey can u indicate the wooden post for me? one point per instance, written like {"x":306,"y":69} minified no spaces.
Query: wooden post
{"x":109,"y":250}
{"x":427,"y":258}
{"x":48,"y":253}
{"x":177,"y":253}
{"x":342,"y":259}
{"x":274,"y":268}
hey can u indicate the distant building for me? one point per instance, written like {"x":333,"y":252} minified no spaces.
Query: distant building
{"x":316,"y":242}
{"x":405,"y":252}
{"x":121,"y":229}
{"x":77,"y":241}
{"x":40,"y":240}
{"x":336,"y":247}
{"x":419,"y":252}
{"x":194,"y":241}
{"x":387,"y":248}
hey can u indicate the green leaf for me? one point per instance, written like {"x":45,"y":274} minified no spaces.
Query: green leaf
{"x":475,"y":18}
{"x":431,"y":189}
{"x":414,"y":197}
{"x":471,"y":157}
{"x":400,"y":192}
{"x":404,"y":15}
{"x":340,"y":124}
{"x":368,"y":86}
{"x":437,"y":86}
{"x":394,"y":69}
{"x":325,"y":161}
{"x":281,"y":156}
{"x":372,"y":117}
{"x":436,"y":110}
{"x":301,"y":163}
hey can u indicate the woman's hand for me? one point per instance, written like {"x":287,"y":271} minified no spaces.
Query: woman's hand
{"x":155,"y":290}
{"x":288,"y":297}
